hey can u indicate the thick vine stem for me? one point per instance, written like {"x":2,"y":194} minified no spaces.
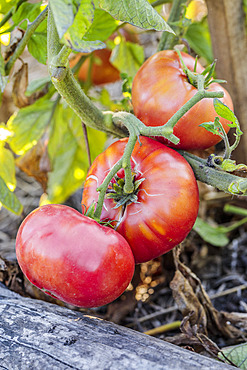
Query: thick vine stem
{"x":68,"y":87}
{"x":22,"y":44}
{"x":219,"y":179}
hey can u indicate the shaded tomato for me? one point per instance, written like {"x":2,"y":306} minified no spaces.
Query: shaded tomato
{"x":102,"y":71}
{"x":161,"y":87}
{"x":166,"y":204}
{"x":72,"y":257}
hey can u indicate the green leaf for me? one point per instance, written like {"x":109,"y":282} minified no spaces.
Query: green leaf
{"x":63,"y":14}
{"x":213,"y":235}
{"x":37,"y":85}
{"x":82,"y":22}
{"x":9,"y":199}
{"x":236,"y":354}
{"x":210,"y":126}
{"x":27,"y":11}
{"x":139,"y":13}
{"x":7,"y":167}
{"x":199,"y":40}
{"x":67,"y":153}
{"x":127,"y":57}
{"x":37,"y":46}
{"x":102,"y":27}
{"x":223,"y":111}
{"x":29,"y":124}
{"x":5,"y":6}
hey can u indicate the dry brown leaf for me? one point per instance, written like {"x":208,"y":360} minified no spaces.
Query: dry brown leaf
{"x":36,"y":163}
{"x":20,"y":86}
{"x":199,"y":313}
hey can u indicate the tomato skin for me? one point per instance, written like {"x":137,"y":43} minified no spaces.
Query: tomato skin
{"x":167,"y":199}
{"x":73,"y":257}
{"x":160,"y":88}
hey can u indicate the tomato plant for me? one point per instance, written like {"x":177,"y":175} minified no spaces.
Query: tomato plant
{"x":98,"y":64}
{"x":164,"y":205}
{"x":161,"y":87}
{"x":72,"y":257}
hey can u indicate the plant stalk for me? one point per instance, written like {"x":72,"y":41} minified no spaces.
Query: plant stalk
{"x":22,"y":44}
{"x":219,"y":179}
{"x":168,"y":40}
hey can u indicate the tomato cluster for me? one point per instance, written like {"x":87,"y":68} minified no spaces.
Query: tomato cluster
{"x":78,"y":260}
{"x":75,"y":259}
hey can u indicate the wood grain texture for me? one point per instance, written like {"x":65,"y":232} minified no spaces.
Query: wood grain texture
{"x":39,"y":335}
{"x":227,"y":28}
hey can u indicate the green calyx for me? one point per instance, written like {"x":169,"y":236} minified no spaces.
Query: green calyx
{"x":116,"y":192}
{"x":194,"y":77}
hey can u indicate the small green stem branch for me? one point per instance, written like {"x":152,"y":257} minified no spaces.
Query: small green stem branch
{"x":219,"y":179}
{"x":22,"y":44}
{"x":125,"y":119}
{"x":168,"y":40}
{"x":201,"y":94}
{"x":160,"y":2}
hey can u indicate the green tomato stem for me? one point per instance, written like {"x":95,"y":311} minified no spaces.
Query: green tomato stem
{"x":219,"y":179}
{"x":201,"y":94}
{"x":235,"y":210}
{"x":160,"y":2}
{"x":168,"y":40}
{"x":22,"y":44}
{"x":127,"y":120}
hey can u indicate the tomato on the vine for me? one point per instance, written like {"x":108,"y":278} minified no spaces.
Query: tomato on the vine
{"x":161,"y":87}
{"x":72,"y":257}
{"x":164,"y":206}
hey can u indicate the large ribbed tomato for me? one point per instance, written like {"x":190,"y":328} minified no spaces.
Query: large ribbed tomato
{"x":161,"y":87}
{"x":72,"y":257}
{"x":166,"y":204}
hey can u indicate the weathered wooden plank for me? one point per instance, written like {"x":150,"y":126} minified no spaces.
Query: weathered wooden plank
{"x":39,"y":335}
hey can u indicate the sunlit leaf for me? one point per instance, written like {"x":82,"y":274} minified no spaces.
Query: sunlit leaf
{"x":29,"y":124}
{"x":7,"y":167}
{"x":9,"y":199}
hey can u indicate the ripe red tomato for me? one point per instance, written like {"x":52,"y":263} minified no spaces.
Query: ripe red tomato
{"x":72,"y":257}
{"x":102,"y":71}
{"x":167,"y":200}
{"x":160,"y":88}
